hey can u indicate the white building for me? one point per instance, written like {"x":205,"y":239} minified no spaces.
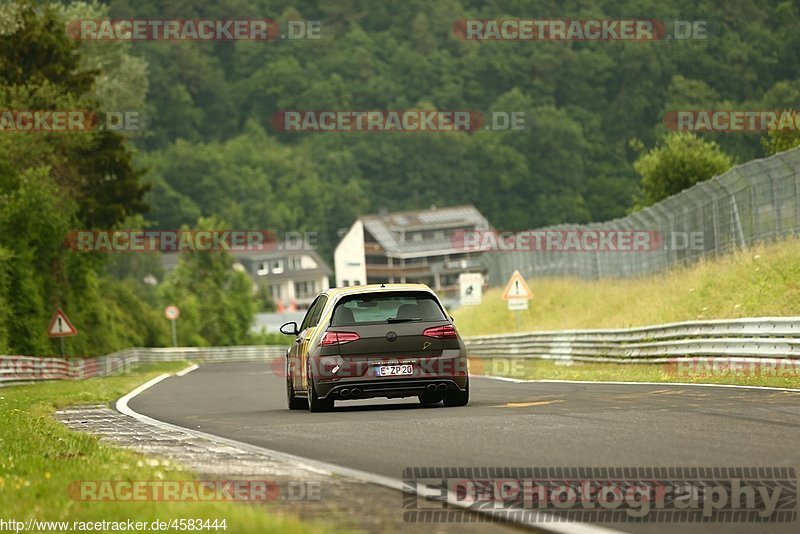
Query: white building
{"x":412,"y":246}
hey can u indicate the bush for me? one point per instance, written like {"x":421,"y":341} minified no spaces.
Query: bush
{"x":677,"y":163}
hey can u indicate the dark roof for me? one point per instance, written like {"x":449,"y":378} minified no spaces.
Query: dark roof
{"x":170,"y":260}
{"x":388,"y":229}
{"x":265,"y":256}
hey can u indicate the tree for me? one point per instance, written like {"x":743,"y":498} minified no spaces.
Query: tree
{"x":779,"y":141}
{"x":52,"y":183}
{"x":215,"y":297}
{"x":677,"y":163}
{"x":35,"y":48}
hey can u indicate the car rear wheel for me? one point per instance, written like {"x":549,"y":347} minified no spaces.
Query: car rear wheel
{"x":427,"y":399}
{"x":295,"y":403}
{"x":315,"y":404}
{"x":457,"y":397}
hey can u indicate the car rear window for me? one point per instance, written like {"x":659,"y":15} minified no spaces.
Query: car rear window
{"x":387,"y":308}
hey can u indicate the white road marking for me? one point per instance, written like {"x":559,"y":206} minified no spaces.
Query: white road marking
{"x":188,"y":370}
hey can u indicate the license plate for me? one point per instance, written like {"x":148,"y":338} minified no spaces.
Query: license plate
{"x":395,"y":370}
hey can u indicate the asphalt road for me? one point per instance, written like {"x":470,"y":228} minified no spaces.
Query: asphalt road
{"x":505,"y":425}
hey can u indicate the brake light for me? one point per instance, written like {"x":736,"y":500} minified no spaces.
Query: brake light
{"x":337,"y":338}
{"x":440,"y":332}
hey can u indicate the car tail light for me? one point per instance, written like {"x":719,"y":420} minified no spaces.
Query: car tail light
{"x":440,"y":332}
{"x":338,"y":338}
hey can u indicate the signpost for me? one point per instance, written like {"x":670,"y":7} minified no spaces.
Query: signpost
{"x":172,"y":313}
{"x":470,"y":289}
{"x":60,"y":327}
{"x":517,"y":294}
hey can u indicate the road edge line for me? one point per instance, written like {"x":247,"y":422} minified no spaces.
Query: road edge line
{"x":553,"y":525}
{"x":188,"y":370}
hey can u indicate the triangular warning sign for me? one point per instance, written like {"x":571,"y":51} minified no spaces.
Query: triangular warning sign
{"x":517,"y":288}
{"x":60,"y":326}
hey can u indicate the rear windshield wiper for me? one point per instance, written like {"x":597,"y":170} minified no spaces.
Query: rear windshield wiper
{"x":403,"y":320}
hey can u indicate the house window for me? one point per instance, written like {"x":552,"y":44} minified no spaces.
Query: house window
{"x":356,"y":282}
{"x":305,"y":289}
{"x":277,"y":266}
{"x":299,"y":289}
{"x":262,"y":269}
{"x":345,"y":283}
{"x":275,"y":291}
{"x":295,"y":263}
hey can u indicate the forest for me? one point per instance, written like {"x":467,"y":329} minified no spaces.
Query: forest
{"x":212,"y":149}
{"x":208,"y":154}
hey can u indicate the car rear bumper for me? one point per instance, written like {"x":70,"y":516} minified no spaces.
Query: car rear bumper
{"x":389,"y":387}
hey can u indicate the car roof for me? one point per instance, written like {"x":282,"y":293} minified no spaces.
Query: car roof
{"x":337,"y":292}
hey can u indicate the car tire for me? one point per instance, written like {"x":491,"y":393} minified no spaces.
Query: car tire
{"x":295,"y":403}
{"x":457,"y":397}
{"x":315,"y":404}
{"x":429,"y":399}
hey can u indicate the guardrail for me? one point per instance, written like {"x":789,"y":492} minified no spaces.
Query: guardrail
{"x":760,"y":339}
{"x":748,"y":339}
{"x":26,"y":369}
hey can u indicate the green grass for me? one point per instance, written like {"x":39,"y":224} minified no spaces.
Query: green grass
{"x":531,"y":369}
{"x":760,"y":281}
{"x":39,"y":457}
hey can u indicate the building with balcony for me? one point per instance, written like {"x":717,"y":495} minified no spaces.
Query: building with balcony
{"x":410,"y":247}
{"x":294,"y":277}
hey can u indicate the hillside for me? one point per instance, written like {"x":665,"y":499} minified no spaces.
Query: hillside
{"x":760,"y":281}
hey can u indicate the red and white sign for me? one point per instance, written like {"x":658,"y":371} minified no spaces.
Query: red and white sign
{"x":517,"y":288}
{"x":60,"y":326}
{"x":517,"y":293}
{"x":172,"y":312}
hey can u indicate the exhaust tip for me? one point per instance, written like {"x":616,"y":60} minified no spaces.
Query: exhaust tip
{"x":355,"y":392}
{"x":431,"y":387}
{"x":344,"y":392}
{"x":442,"y":387}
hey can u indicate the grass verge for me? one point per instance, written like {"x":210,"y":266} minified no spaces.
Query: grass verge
{"x":39,"y":457}
{"x":761,"y":281}
{"x":533,"y":369}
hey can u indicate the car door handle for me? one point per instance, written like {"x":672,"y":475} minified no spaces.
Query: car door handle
{"x":298,"y":339}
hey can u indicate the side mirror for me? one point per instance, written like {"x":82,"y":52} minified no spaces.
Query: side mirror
{"x":290,"y":329}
